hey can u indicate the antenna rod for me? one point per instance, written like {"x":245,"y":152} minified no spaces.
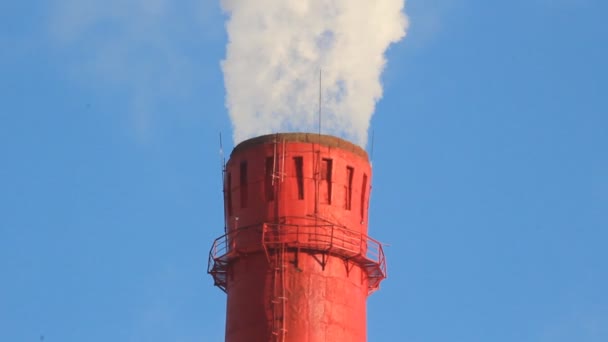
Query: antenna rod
{"x":223,"y":170}
{"x":320,"y":97}
{"x":222,"y":159}
{"x":372,"y":151}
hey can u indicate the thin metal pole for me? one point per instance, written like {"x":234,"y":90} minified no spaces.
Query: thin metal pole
{"x":224,"y":190}
{"x":320,"y":99}
{"x":372,"y":151}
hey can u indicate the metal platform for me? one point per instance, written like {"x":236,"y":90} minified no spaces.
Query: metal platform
{"x":325,"y":239}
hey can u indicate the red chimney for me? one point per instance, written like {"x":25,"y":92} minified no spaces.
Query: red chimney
{"x":295,"y":261}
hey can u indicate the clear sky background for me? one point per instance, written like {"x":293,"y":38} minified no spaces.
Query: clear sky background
{"x":490,"y":172}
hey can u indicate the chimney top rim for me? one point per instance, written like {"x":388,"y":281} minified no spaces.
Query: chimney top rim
{"x":313,"y":138}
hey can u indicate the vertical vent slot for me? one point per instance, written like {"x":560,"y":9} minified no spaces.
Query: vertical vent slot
{"x":299,"y":165}
{"x":228,"y":193}
{"x":363,"y":197}
{"x":243,"y":185}
{"x":348,"y":188}
{"x":326,"y":171}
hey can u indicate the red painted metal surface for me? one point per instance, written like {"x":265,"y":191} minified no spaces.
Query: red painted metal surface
{"x":295,"y":260}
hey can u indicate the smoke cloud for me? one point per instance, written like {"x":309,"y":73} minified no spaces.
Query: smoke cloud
{"x":277,"y":48}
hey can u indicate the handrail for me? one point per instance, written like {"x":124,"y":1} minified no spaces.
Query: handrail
{"x":331,"y":238}
{"x":326,"y":238}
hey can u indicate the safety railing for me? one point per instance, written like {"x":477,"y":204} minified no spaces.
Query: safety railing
{"x":326,"y":238}
{"x":332,"y":239}
{"x":217,"y":263}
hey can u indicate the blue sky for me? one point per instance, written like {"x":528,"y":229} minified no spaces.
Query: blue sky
{"x":490,"y":172}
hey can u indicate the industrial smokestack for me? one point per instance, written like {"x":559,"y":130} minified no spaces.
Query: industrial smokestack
{"x":276,"y":49}
{"x":296,"y":261}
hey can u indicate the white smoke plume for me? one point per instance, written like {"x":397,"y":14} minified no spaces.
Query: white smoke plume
{"x":277,"y":48}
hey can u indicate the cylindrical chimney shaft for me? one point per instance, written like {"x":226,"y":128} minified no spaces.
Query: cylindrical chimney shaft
{"x":296,"y":261}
